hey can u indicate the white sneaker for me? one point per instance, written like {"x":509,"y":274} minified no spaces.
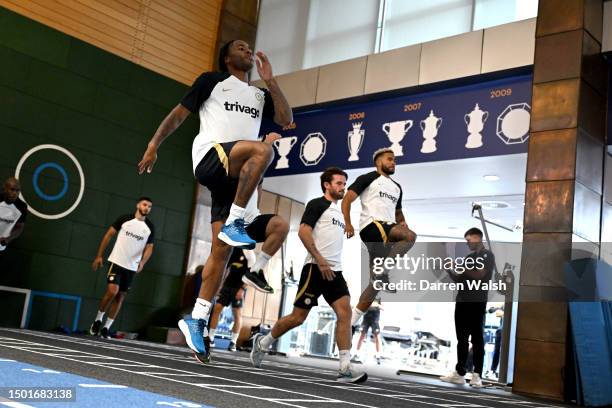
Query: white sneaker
{"x":257,"y":352}
{"x":350,"y":375}
{"x":476,"y":381}
{"x":453,"y":378}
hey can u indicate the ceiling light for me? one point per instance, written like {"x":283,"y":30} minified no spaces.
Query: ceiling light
{"x":494,"y":205}
{"x":490,"y":177}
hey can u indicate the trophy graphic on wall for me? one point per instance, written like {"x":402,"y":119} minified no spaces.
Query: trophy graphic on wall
{"x":430,"y":126}
{"x":395,"y":132}
{"x":283,"y":147}
{"x":475,"y":121}
{"x":355,"y":140}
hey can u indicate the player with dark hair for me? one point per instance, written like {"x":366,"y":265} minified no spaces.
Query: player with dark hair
{"x":322,"y":233}
{"x":133,"y":248}
{"x":383,"y":226}
{"x":13,"y":212}
{"x":470,"y":309}
{"x":229,"y":160}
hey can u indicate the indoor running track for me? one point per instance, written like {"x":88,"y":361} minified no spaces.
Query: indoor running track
{"x":137,"y":374}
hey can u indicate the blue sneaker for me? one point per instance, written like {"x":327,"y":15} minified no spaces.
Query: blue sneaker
{"x":193,"y":330}
{"x":235,"y":235}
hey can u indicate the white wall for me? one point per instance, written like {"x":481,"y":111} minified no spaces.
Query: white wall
{"x":493,"y":49}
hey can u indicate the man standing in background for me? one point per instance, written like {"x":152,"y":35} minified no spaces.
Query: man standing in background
{"x":13,"y":212}
{"x":232,"y":293}
{"x":133,"y":248}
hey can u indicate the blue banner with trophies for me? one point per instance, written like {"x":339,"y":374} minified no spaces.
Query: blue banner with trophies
{"x":486,"y":119}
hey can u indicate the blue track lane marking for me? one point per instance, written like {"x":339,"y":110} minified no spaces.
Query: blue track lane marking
{"x":89,"y":392}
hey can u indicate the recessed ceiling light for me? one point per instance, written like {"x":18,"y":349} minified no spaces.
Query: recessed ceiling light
{"x":490,"y":177}
{"x":493,"y":205}
{"x":453,"y":228}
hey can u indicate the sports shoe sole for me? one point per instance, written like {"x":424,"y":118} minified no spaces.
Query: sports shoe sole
{"x":202,"y":358}
{"x":357,"y":380}
{"x":185,"y":330}
{"x":458,"y":382}
{"x":246,"y":280}
{"x":255,"y":338}
{"x":244,"y":245}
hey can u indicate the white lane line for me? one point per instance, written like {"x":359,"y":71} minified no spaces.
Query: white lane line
{"x":259,"y":387}
{"x":274,"y":373}
{"x":306,"y":400}
{"x":102,"y":386}
{"x":6,"y":360}
{"x":215,"y":387}
{"x":379,"y":392}
{"x":13,"y":404}
{"x":177,"y":374}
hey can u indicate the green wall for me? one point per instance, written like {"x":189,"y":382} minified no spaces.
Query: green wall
{"x":104,"y":109}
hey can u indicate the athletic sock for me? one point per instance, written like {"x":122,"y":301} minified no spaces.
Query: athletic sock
{"x":201,"y":309}
{"x":99,"y":316}
{"x":235,"y":213}
{"x":235,"y":337}
{"x":108,"y":323}
{"x":261,"y":261}
{"x":267,"y":341}
{"x":211,"y":334}
{"x":345,"y":359}
{"x":356,"y":315}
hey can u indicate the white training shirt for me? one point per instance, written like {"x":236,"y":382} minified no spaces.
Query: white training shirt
{"x":380,"y":197}
{"x":327,"y":224}
{"x":132,"y":237}
{"x":11,"y":214}
{"x":229,"y":110}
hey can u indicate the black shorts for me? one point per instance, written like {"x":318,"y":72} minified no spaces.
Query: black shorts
{"x":120,"y":276}
{"x":367,"y":324}
{"x":375,"y":235}
{"x":227,"y":296}
{"x":257,"y":228}
{"x":312,"y":285}
{"x":213,"y":172}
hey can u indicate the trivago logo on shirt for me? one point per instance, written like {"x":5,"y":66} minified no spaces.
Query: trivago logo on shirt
{"x":137,"y":237}
{"x":6,"y":220}
{"x":338,"y":223}
{"x":241,"y":108}
{"x":389,"y":196}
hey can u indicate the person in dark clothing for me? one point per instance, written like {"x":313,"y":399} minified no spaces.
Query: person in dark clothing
{"x":470,"y":307}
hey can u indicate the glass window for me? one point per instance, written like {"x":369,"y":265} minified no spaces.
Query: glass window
{"x":489,"y":13}
{"x":340,"y":30}
{"x":414,"y":22}
{"x":280,"y":34}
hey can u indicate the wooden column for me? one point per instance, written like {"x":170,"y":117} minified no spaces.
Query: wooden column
{"x":563,"y":196}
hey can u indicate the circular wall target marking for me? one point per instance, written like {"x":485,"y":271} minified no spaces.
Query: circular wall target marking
{"x":56,"y":166}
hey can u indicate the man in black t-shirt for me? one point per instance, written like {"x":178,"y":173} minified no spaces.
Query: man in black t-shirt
{"x":133,"y":248}
{"x":13,"y":213}
{"x":470,"y":308}
{"x":232,"y":293}
{"x":229,"y":160}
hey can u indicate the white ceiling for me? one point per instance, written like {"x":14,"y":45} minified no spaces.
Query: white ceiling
{"x":437,"y":196}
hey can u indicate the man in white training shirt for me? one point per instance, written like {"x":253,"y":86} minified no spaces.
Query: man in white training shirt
{"x":133,"y":248}
{"x":229,"y":160}
{"x":383,"y":227}
{"x":13,"y":213}
{"x":322,"y":233}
